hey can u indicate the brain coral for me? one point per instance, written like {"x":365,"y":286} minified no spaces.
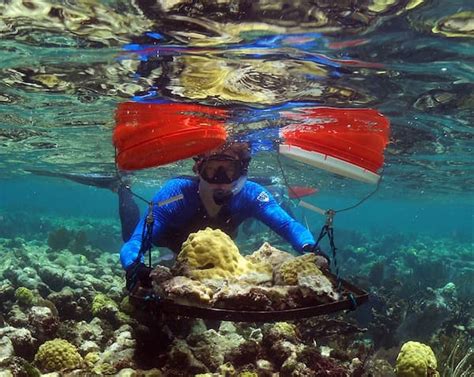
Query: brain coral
{"x":56,"y":355}
{"x":289,"y":270}
{"x":416,"y":360}
{"x":211,"y":254}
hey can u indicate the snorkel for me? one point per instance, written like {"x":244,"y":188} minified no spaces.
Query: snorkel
{"x":223,"y":196}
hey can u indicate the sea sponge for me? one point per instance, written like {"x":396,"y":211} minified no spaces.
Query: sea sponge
{"x":24,"y":296}
{"x":211,"y":254}
{"x":416,"y":360}
{"x":56,"y":355}
{"x":289,"y":270}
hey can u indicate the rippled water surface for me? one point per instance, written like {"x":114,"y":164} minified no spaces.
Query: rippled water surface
{"x":66,"y":65}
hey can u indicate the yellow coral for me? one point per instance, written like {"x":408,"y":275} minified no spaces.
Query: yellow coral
{"x":57,"y":354}
{"x":416,"y":360}
{"x":211,"y":254}
{"x":304,"y":264}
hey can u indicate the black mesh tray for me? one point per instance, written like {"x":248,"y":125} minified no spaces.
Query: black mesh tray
{"x":352,"y":297}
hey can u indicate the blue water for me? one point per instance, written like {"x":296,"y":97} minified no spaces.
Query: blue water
{"x":452,"y":218}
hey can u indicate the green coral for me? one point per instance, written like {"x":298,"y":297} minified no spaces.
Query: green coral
{"x":56,"y":355}
{"x":103,"y":306}
{"x":106,"y":308}
{"x":286,"y":329}
{"x":24,"y":296}
{"x":105,"y":368}
{"x":416,"y":360}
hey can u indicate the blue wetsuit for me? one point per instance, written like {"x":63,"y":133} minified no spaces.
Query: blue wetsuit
{"x":176,"y":219}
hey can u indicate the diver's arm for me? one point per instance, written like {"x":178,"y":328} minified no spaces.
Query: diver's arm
{"x":130,"y":249}
{"x":272,"y":215}
{"x":162,"y":215}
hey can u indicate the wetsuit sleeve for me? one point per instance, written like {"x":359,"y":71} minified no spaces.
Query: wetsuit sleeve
{"x":163,"y":210}
{"x":267,"y":210}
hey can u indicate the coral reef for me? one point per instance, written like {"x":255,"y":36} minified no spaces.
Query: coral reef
{"x":24,"y":296}
{"x":77,"y":296}
{"x":211,"y":254}
{"x":290,"y":270}
{"x":216,"y":274}
{"x":56,"y":355}
{"x":416,"y":360}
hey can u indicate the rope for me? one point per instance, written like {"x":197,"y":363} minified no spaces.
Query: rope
{"x":285,"y":180}
{"x":147,"y":231}
{"x":125,"y":185}
{"x":327,"y":229}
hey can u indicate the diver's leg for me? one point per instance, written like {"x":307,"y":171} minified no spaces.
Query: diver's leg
{"x":129,"y":212}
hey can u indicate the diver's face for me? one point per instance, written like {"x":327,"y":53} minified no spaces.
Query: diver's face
{"x":220,"y":171}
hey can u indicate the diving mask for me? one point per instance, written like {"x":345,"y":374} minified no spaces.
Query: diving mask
{"x":221,"y":169}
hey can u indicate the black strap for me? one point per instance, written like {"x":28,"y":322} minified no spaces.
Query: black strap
{"x":328,"y":230}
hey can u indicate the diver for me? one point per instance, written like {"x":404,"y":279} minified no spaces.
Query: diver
{"x":220,"y":196}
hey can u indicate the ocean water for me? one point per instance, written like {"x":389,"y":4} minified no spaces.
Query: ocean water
{"x":66,"y":66}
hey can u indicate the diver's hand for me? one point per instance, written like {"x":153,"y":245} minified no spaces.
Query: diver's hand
{"x":138,"y":273}
{"x":322,"y":259}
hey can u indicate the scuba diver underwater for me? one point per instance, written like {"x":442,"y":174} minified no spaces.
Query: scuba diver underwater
{"x":220,"y":195}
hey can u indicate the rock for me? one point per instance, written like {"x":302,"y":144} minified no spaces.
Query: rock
{"x":185,"y":290}
{"x":160,"y":274}
{"x":23,"y":342}
{"x":53,"y":277}
{"x":211,"y":346}
{"x":250,"y":297}
{"x":72,"y":304}
{"x":7,"y":292}
{"x":17,"y":367}
{"x":42,"y":323}
{"x":28,"y":277}
{"x":318,"y":287}
{"x":87,"y":347}
{"x":180,"y":357}
{"x":6,"y":348}
{"x":83,"y":332}
{"x":264,"y":368}
{"x":17,"y":317}
{"x":120,"y":353}
{"x":246,"y":353}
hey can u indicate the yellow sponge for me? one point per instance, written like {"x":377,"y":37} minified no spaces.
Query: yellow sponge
{"x":416,"y":360}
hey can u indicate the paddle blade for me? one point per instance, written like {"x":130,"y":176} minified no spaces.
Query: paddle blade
{"x":154,"y":134}
{"x":349,"y":142}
